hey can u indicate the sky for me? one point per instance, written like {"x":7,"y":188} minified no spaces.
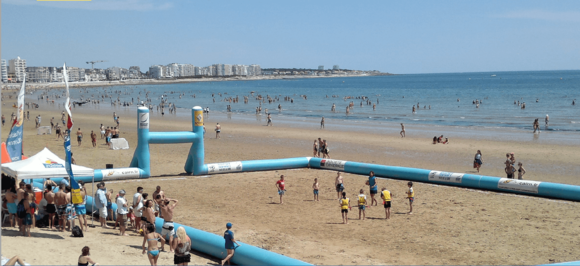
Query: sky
{"x":402,"y":37}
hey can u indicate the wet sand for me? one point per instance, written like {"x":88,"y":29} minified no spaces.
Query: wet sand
{"x":449,"y":225}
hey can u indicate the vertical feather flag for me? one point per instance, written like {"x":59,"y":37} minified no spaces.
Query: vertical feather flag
{"x":75,"y":188}
{"x":14,"y":141}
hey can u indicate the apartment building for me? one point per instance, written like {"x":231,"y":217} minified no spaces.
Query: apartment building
{"x":37,"y":74}
{"x":17,"y":69}
{"x":4,"y":71}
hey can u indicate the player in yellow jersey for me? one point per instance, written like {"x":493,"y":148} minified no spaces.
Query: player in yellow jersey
{"x":387,"y":196}
{"x":344,"y":207}
{"x":362,"y":204}
{"x":410,"y":196}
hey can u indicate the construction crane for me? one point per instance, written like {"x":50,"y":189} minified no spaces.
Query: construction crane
{"x":93,"y":63}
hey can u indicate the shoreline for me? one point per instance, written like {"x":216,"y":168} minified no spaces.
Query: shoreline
{"x":135,"y":82}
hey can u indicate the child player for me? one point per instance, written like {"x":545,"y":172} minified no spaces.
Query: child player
{"x":315,"y":188}
{"x":387,"y":196}
{"x":344,"y":206}
{"x":362,"y":202}
{"x":410,"y":196}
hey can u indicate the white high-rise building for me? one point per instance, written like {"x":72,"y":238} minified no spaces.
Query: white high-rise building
{"x":335,"y":67}
{"x":227,"y":70}
{"x":4,"y":71}
{"x":321,"y":67}
{"x":156,"y":71}
{"x":17,"y":68}
{"x":254,"y":70}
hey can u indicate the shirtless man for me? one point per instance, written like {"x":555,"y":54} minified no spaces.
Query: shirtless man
{"x":11,"y":204}
{"x":94,"y":139}
{"x":167,"y":231}
{"x":50,"y":206}
{"x":159,"y":192}
{"x":49,"y":183}
{"x":60,"y":201}
{"x":79,"y":136}
{"x":322,"y":123}
{"x":108,"y":195}
{"x":339,"y":184}
{"x":102,"y":128}
{"x":218,"y":129}
{"x":402,"y":130}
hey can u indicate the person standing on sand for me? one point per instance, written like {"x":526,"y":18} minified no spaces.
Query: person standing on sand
{"x":344,"y":207}
{"x":322,"y":123}
{"x":109,"y":204}
{"x":80,"y":209}
{"x":102,"y":128}
{"x":61,"y":202}
{"x":182,"y":246}
{"x":402,"y":130}
{"x":11,"y":205}
{"x":315,"y":188}
{"x":372,"y":183}
{"x":338,"y":183}
{"x":326,"y":150}
{"x":122,"y":212}
{"x":3,"y":120}
{"x":101,"y":203}
{"x":387,"y":196}
{"x":230,"y":244}
{"x":167,"y":231}
{"x":521,"y":171}
{"x":362,"y":202}
{"x":50,"y":206}
{"x":138,"y":207}
{"x":315,"y":147}
{"x":94,"y":139}
{"x":218,"y":129}
{"x":281,"y":188}
{"x":410,"y":196}
{"x":478,"y":160}
{"x":269,"y":120}
{"x":161,"y":194}
{"x":320,"y":144}
{"x":79,"y":136}
{"x":152,"y":238}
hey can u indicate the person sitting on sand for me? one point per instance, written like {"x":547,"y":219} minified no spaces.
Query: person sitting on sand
{"x":435,"y":140}
{"x":152,"y":238}
{"x":440,"y":139}
{"x":84,"y":258}
{"x":446,"y":141}
{"x":13,"y":261}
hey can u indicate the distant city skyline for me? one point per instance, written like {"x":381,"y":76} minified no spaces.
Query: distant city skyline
{"x":394,"y":37}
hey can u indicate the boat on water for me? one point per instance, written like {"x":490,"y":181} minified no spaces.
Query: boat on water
{"x":493,"y":75}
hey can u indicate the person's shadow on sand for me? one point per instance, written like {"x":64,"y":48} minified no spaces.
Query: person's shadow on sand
{"x":14,"y":233}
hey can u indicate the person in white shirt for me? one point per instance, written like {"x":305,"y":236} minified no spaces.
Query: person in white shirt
{"x":122,"y":212}
{"x":138,"y":207}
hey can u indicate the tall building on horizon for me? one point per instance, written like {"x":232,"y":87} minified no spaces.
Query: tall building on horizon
{"x":321,"y":67}
{"x":17,"y":68}
{"x":335,"y":67}
{"x":4,"y":71}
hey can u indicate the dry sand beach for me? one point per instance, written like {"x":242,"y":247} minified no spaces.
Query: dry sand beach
{"x":449,"y":225}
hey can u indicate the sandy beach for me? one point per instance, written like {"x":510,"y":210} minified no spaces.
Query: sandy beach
{"x":449,"y":225}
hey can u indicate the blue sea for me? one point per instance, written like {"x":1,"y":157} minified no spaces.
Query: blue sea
{"x":449,"y":96}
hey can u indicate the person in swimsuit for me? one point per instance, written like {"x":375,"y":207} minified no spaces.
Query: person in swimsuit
{"x":320,"y":143}
{"x":148,"y":214}
{"x":315,"y":188}
{"x":402,"y":130}
{"x":281,"y":188}
{"x":60,"y":200}
{"x":11,"y":204}
{"x":27,"y":220}
{"x":84,"y":258}
{"x":322,"y":123}
{"x":102,"y":128}
{"x":339,"y":184}
{"x":344,"y":207}
{"x":182,"y":246}
{"x":218,"y":129}
{"x":521,"y":171}
{"x":138,"y":207}
{"x":50,"y":206}
{"x":79,"y":136}
{"x":158,"y":192}
{"x":230,"y":244}
{"x":32,"y":202}
{"x":315,"y":147}
{"x":58,"y":133}
{"x":269,"y":120}
{"x":372,"y":183}
{"x":326,"y":150}
{"x":478,"y":160}
{"x":80,"y":208}
{"x":109,"y":195}
{"x":410,"y":196}
{"x":94,"y":139}
{"x":167,"y":231}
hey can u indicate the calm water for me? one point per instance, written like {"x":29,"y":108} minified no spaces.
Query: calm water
{"x":554,"y":91}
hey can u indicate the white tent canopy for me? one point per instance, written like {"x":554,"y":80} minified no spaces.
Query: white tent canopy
{"x":44,"y":164}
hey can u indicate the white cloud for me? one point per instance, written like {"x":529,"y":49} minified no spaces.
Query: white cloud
{"x":133,"y":5}
{"x":568,"y":16}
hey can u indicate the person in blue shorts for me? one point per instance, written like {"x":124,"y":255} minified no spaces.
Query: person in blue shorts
{"x":230,"y":243}
{"x":315,"y":188}
{"x":373,"y":186}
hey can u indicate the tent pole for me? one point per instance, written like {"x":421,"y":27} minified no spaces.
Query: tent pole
{"x":93,"y":204}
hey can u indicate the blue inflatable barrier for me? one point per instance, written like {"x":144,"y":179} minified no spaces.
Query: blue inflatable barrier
{"x":525,"y":187}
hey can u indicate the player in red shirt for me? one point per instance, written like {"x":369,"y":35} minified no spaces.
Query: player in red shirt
{"x":280,"y":186}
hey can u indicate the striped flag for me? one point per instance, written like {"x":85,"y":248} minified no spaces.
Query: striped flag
{"x":67,"y":104}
